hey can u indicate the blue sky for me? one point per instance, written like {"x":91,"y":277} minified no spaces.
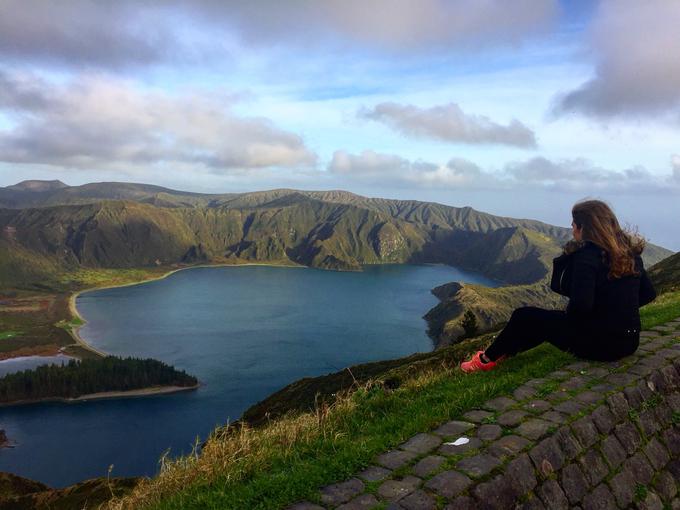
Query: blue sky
{"x":516,"y":108}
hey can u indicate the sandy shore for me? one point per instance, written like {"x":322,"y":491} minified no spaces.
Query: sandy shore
{"x":142,"y":392}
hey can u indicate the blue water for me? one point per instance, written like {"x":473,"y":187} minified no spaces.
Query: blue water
{"x":245,"y":332}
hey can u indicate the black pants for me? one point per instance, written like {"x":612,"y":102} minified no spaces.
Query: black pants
{"x":530,"y":326}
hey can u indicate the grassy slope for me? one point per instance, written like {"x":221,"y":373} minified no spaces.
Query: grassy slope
{"x":289,"y":459}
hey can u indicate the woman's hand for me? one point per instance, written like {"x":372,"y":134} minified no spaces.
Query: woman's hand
{"x":572,"y":246}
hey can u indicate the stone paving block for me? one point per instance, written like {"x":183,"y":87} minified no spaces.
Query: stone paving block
{"x":603,"y":388}
{"x":499,"y":403}
{"x":603,"y":419}
{"x":641,"y":370}
{"x":673,"y":468}
{"x":419,"y":500}
{"x":589,"y":397}
{"x":618,"y":405}
{"x":520,"y":472}
{"x":477,"y":415}
{"x":585,"y":431}
{"x":421,"y":443}
{"x":648,"y":423}
{"x":478,"y":465}
{"x":537,"y":406}
{"x":557,"y":396}
{"x":665,"y":485}
{"x":533,"y":428}
{"x":633,"y":396}
{"x":593,"y":466}
{"x":342,"y":492}
{"x":647,"y":388}
{"x":453,"y":428}
{"x":363,"y":502}
{"x":596,"y":372}
{"x":651,"y":502}
{"x":569,"y":407}
{"x":524,"y":392}
{"x":656,"y":453}
{"x":568,"y":443}
{"x":577,"y":366}
{"x":574,"y":383}
{"x":535,"y":383}
{"x":671,"y":438}
{"x":552,"y":495}
{"x":620,"y":378}
{"x":547,"y":456}
{"x":574,"y":483}
{"x":394,"y":490}
{"x":664,"y":415}
{"x":507,"y":446}
{"x":450,"y":449}
{"x":622,"y":486}
{"x":554,"y":417}
{"x":673,"y":401}
{"x":395,"y":458}
{"x":600,"y":499}
{"x":449,"y":483}
{"x":496,"y":494}
{"x":629,"y":436}
{"x":511,"y":418}
{"x":489,"y":432}
{"x":305,"y":505}
{"x":463,"y":503}
{"x":612,"y":451}
{"x":672,"y":377}
{"x":532,"y":504}
{"x":428,"y":465}
{"x":374,"y":474}
{"x":639,"y":467}
{"x":658,"y":381}
{"x":559,"y":374}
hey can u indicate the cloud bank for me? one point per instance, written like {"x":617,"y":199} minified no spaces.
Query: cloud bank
{"x":127,"y":33}
{"x":93,"y":122}
{"x":637,"y":49}
{"x":449,"y":123}
{"x":569,"y":175}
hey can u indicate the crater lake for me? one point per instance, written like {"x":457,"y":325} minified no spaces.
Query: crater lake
{"x":244,"y":331}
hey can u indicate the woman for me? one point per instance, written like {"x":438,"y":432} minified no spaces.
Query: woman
{"x":602,"y":274}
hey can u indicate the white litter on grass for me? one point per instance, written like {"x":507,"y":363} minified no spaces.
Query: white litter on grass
{"x":459,"y":441}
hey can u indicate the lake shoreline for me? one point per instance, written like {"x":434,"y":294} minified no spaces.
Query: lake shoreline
{"x":106,"y":395}
{"x":73,"y":309}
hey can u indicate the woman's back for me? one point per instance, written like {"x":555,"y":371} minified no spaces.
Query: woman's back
{"x":608,"y":305}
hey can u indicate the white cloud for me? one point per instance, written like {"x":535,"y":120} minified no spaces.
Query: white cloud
{"x":449,"y":123}
{"x":96,"y":122}
{"x":637,"y":48}
{"x":539,"y":173}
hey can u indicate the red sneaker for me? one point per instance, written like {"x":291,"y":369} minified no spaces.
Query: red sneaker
{"x":476,"y":363}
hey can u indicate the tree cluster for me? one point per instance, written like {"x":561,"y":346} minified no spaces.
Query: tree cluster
{"x":77,"y":378}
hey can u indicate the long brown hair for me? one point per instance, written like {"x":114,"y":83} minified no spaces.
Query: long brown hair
{"x":601,"y":227}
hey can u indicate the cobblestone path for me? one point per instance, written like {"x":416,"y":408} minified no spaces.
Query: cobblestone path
{"x":590,"y":436}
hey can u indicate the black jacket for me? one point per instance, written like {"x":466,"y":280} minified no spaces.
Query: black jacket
{"x":595,"y":301}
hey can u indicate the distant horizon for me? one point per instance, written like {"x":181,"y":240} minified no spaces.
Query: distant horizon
{"x":674,"y":247}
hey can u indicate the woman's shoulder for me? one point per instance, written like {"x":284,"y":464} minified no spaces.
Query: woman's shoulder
{"x":590,"y":252}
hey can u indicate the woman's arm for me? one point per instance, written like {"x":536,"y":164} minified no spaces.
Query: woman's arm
{"x":647,"y":292}
{"x":583,"y":280}
{"x":559,"y":281}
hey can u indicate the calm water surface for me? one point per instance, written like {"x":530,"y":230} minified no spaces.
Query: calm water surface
{"x":245,"y":332}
